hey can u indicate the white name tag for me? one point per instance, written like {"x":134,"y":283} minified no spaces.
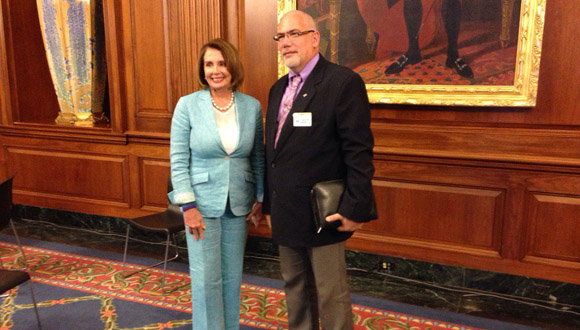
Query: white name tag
{"x":302,"y":119}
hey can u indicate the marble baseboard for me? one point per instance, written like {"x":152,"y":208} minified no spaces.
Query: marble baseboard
{"x":446,"y":275}
{"x":368,"y":264}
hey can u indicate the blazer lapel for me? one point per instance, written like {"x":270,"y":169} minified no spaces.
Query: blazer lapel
{"x":242,"y":118}
{"x":209,"y":118}
{"x":303,"y":99}
{"x":272,"y":113}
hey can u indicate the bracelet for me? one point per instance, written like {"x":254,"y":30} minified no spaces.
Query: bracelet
{"x":188,"y":206}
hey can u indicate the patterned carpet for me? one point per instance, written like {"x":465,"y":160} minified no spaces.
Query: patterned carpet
{"x":93,"y":292}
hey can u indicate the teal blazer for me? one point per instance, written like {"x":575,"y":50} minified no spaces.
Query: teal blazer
{"x":202,"y":171}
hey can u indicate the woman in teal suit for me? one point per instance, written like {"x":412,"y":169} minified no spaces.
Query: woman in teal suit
{"x":217,"y":171}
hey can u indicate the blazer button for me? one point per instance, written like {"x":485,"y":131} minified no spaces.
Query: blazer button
{"x":227,"y":157}
{"x":273,"y":165}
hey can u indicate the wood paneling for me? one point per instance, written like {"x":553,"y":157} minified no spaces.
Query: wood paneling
{"x":5,"y":99}
{"x":117,"y":88}
{"x":34,"y":99}
{"x":233,"y":22}
{"x":522,"y":145}
{"x":192,"y":24}
{"x":94,"y":178}
{"x":162,"y":41}
{"x":496,"y":216}
{"x":154,"y":173}
{"x":112,"y":179}
{"x":554,"y":227}
{"x":261,"y":61}
{"x":428,"y":211}
{"x":150,"y":63}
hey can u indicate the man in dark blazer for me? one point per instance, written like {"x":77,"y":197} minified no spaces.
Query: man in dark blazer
{"x":317,"y":129}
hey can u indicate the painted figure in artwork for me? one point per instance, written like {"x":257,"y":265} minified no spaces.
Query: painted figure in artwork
{"x":413,"y":13}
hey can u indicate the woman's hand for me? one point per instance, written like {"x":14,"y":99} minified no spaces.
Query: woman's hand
{"x":256,"y":215}
{"x":194,"y":222}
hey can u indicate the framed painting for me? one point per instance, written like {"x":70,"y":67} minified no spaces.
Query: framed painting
{"x":434,"y":52}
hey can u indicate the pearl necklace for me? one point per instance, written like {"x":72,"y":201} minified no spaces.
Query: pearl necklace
{"x":227,"y":107}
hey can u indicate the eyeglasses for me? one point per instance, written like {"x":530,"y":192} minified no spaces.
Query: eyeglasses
{"x":291,"y":34}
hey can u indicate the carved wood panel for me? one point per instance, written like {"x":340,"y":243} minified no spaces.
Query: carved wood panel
{"x":27,"y":82}
{"x":554,"y":228}
{"x":154,"y":173}
{"x":163,"y":39}
{"x":468,"y":216}
{"x":71,"y":176}
{"x":472,"y":214}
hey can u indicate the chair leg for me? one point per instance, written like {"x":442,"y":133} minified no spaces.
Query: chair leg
{"x":176,"y":248}
{"x":4,"y":295}
{"x":35,"y":306}
{"x":2,"y":267}
{"x":164,"y":262}
{"x":126,"y":246}
{"x":19,"y":245}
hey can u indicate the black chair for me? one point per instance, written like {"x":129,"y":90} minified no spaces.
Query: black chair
{"x":11,"y":278}
{"x":6,"y":214}
{"x":169,"y":222}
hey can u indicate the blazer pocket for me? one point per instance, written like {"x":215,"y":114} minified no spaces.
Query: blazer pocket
{"x":200,"y":178}
{"x":250,"y":177}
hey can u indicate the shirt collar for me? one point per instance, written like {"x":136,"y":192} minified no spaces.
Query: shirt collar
{"x":306,"y":70}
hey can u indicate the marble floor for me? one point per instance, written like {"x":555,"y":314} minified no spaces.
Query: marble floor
{"x":370,"y":283}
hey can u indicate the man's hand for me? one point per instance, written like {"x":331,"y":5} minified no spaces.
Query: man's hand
{"x":256,"y":215}
{"x":194,"y":222}
{"x":268,"y":221}
{"x":347,"y":224}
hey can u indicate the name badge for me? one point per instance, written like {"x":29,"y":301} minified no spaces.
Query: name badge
{"x":302,"y":119}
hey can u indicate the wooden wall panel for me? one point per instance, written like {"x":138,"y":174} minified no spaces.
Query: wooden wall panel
{"x":485,"y":215}
{"x":94,"y":178}
{"x":554,"y":227}
{"x":522,"y":145}
{"x":120,"y":180}
{"x":163,"y":39}
{"x":25,"y":48}
{"x":261,"y":60}
{"x":150,"y":64}
{"x":154,"y":173}
{"x":5,"y":99}
{"x":191,"y":24}
{"x":115,"y":61}
{"x":440,"y":213}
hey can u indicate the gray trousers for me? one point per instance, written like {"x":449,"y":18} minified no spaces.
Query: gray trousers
{"x":316,"y":287}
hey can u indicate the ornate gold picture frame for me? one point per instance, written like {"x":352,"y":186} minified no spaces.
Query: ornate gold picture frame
{"x":502,"y":48}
